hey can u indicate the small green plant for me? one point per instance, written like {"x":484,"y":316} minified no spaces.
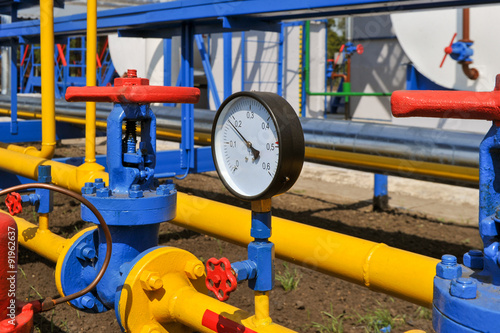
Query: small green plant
{"x":331,"y":323}
{"x":423,"y":313}
{"x":377,"y":319}
{"x":219,"y":246}
{"x":289,"y":281}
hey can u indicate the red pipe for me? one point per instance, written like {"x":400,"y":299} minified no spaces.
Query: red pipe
{"x":61,"y":55}
{"x":25,"y":53}
{"x":103,"y":50}
{"x":98,"y":61}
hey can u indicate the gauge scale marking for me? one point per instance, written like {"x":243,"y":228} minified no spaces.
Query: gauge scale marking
{"x":247,"y":145}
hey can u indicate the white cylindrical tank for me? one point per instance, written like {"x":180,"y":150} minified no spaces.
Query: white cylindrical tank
{"x":423,"y":36}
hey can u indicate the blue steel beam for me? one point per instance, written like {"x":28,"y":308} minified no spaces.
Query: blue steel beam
{"x":204,"y":12}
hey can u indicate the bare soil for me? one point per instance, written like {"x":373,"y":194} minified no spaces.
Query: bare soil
{"x":318,"y":299}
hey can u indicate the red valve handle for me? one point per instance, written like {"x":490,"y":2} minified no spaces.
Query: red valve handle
{"x":220,"y":278}
{"x":132,"y":89}
{"x":448,"y":104}
{"x":448,"y":50}
{"x":13,"y":202}
{"x":360,"y":49}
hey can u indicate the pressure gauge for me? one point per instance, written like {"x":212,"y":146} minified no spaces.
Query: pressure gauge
{"x":257,"y":145}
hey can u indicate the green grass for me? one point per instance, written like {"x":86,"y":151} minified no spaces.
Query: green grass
{"x":423,"y":313}
{"x":331,"y":323}
{"x":376,"y":319}
{"x":289,"y":280}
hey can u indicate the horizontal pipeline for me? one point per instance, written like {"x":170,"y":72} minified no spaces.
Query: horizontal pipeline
{"x":412,"y":143}
{"x":345,"y":143}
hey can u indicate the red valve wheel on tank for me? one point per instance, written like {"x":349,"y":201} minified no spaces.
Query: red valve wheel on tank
{"x":220,"y":278}
{"x":13,"y":202}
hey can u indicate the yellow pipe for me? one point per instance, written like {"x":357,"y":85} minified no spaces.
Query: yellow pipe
{"x":48,"y":85}
{"x":399,"y":165}
{"x":186,"y":305}
{"x":262,"y":308}
{"x":377,"y":266}
{"x":65,"y":175}
{"x":91,"y":80}
{"x":43,"y":221}
{"x":43,"y":242}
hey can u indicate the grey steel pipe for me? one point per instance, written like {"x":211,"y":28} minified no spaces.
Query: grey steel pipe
{"x":411,"y":143}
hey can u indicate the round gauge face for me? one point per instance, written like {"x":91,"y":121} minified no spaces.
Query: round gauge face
{"x":247,"y":140}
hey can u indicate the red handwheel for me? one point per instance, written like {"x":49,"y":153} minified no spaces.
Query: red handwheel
{"x":13,"y":202}
{"x":132,"y":89}
{"x":220,"y":278}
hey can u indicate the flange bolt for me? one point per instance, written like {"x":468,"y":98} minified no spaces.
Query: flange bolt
{"x":99,"y":183}
{"x":135,"y":191}
{"x":474,"y":259}
{"x":463,"y":288}
{"x":448,"y":268}
{"x":89,"y":188}
{"x":194,"y":269}
{"x":151,"y":281}
{"x":103,"y":192}
{"x":87,"y":302}
{"x":85,"y":252}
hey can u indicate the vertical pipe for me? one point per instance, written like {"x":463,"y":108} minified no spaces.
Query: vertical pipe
{"x":8,"y":266}
{"x":380,"y":193}
{"x":228,"y":64}
{"x":91,"y":80}
{"x":262,"y":307}
{"x":167,"y":62}
{"x":43,"y":222}
{"x":302,"y":111}
{"x":13,"y":87}
{"x":466,"y":25}
{"x":167,"y":65}
{"x":13,"y":75}
{"x":48,"y":80}
{"x":243,"y":60}
{"x":205,"y":60}
{"x":280,"y":59}
{"x":306,"y":66}
{"x":187,"y":74}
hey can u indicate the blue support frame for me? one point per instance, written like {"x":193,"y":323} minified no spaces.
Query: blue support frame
{"x":228,"y":64}
{"x":212,"y":87}
{"x":187,"y":71}
{"x":13,"y":89}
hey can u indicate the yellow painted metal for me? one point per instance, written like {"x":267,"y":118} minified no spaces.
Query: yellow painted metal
{"x":377,"y":266}
{"x":180,"y":303}
{"x":62,"y":257}
{"x":91,"y":80}
{"x":262,"y":317}
{"x":399,"y":165}
{"x":138,"y":305}
{"x":48,"y":85}
{"x":64,"y":175}
{"x":43,"y":221}
{"x":43,"y":242}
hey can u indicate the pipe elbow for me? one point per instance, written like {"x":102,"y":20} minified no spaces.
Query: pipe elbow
{"x":471,"y":73}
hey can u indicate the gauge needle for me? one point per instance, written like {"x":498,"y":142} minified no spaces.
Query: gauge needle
{"x":255,"y":152}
